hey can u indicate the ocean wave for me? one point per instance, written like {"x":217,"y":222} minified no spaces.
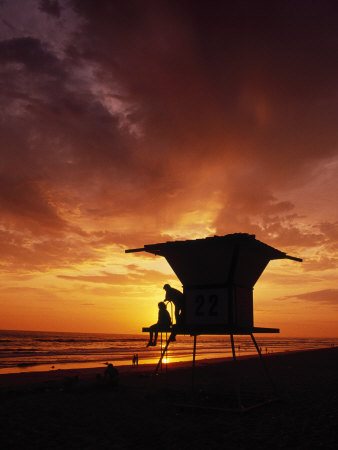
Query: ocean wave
{"x":27,"y":364}
{"x":91,"y":341}
{"x":29,"y":348}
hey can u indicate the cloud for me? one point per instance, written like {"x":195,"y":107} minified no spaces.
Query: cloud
{"x":205,"y":74}
{"x":30,"y":53}
{"x":220,"y":109}
{"x":143,"y":276}
{"x":321,"y":262}
{"x":10,"y":293}
{"x":324,"y":296}
{"x":330,"y":231}
{"x":162,"y":120}
{"x":51,"y":7}
{"x":27,"y":200}
{"x":26,"y":252}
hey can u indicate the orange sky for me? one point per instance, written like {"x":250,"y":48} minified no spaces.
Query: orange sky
{"x":132,"y":123}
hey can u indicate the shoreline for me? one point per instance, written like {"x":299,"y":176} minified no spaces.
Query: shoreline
{"x":34,"y":377}
{"x":25,"y":352}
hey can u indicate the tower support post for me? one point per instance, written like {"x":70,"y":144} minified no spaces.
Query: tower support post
{"x":193,"y":364}
{"x":265,"y":368}
{"x":237,"y":376}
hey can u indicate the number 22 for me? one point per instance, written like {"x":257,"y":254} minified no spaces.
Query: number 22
{"x":200,"y":302}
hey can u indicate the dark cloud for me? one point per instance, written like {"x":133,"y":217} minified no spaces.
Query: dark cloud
{"x":57,"y":140}
{"x":51,"y":7}
{"x":29,"y":52}
{"x":209,"y":77}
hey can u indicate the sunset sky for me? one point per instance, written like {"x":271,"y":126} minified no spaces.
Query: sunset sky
{"x":126,"y":123}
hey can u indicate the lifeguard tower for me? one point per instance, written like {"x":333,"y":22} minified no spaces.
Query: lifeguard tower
{"x":218,"y":275}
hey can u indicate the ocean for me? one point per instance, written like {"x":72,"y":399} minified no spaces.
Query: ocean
{"x":27,"y":351}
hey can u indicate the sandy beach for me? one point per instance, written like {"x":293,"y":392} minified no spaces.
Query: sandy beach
{"x":77,"y":409}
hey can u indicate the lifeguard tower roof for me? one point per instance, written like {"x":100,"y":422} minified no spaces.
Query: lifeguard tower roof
{"x":237,"y":258}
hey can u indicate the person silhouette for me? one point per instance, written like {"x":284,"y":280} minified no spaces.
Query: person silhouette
{"x":177,"y":298}
{"x":163,"y":324}
{"x":111,"y":375}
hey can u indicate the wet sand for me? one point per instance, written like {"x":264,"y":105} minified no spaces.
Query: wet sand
{"x":175,"y":410}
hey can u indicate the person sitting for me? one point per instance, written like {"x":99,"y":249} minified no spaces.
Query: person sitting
{"x":163,"y":324}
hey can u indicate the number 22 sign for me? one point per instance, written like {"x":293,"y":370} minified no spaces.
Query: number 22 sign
{"x":207,"y":306}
